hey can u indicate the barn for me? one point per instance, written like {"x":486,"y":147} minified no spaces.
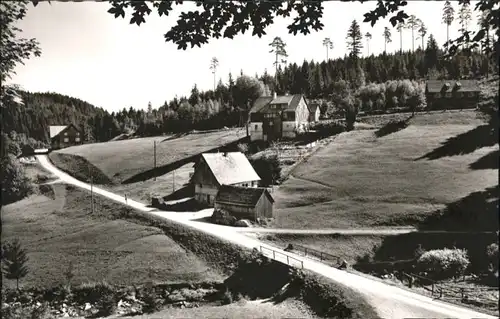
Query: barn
{"x":64,"y":135}
{"x":447,"y":94}
{"x":245,"y":202}
{"x":216,"y":169}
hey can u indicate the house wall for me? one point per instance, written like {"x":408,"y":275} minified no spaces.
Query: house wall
{"x":301,"y":113}
{"x":264,"y":208}
{"x":256,"y":132}
{"x":205,"y":184}
{"x":289,"y":129}
{"x":67,"y":137}
{"x":455,"y":100}
{"x":238,"y":211}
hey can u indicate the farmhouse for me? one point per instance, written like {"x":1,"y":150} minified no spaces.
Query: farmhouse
{"x":446,"y":94}
{"x":216,"y":169}
{"x":64,"y":135}
{"x":275,"y":117}
{"x":245,"y":202}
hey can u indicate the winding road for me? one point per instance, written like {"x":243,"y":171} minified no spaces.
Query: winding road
{"x":389,"y":301}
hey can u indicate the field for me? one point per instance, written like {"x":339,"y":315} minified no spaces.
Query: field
{"x":60,"y":228}
{"x":360,"y":180}
{"x":133,"y":160}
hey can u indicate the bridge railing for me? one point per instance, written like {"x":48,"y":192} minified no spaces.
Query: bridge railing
{"x":279,"y":256}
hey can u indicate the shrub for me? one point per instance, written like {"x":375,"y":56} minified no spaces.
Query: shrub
{"x":492,"y":253}
{"x":444,"y":263}
{"x":268,"y":168}
{"x":227,"y":298}
{"x":151,"y":302}
{"x":107,"y":305}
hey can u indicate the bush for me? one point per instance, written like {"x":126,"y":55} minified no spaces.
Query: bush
{"x":223,"y":217}
{"x":107,"y":305}
{"x":268,"y":168}
{"x":492,"y":253}
{"x":15,"y":183}
{"x":151,"y":302}
{"x":227,"y":298}
{"x":444,"y":263}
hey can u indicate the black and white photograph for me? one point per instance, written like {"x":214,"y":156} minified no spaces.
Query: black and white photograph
{"x":249,"y":159}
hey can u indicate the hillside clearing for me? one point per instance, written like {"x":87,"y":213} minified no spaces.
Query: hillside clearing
{"x":58,"y":231}
{"x":361,"y":181}
{"x":121,"y":161}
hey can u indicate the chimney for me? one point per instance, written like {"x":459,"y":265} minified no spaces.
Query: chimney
{"x":225,"y":154}
{"x":274,"y":95}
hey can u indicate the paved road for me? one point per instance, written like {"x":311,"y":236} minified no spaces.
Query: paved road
{"x":389,"y":301}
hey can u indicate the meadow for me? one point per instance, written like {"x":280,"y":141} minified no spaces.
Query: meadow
{"x":132,"y":160}
{"x":361,"y":180}
{"x":58,"y":228}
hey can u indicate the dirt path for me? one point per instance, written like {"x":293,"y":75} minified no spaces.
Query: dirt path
{"x":389,"y":301}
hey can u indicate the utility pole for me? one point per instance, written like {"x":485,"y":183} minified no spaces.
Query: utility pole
{"x":154,"y":151}
{"x":91,"y":191}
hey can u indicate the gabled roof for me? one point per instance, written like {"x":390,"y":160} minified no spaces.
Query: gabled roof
{"x":292,"y":102}
{"x":56,"y":129}
{"x":436,"y":86}
{"x":260,"y":103}
{"x":244,"y":196}
{"x":230,"y":168}
{"x":313,"y":107}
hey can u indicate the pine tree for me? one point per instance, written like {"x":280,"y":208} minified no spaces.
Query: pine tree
{"x":422,"y":31}
{"x":387,"y":37}
{"x":401,"y":26}
{"x":464,"y":18}
{"x":14,"y":261}
{"x":214,"y":64}
{"x":328,"y":44}
{"x":448,"y":17}
{"x":412,"y":24}
{"x":368,"y":37}
{"x":354,"y":40}
{"x":279,"y":49}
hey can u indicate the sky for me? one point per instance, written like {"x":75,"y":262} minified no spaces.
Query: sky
{"x":90,"y":55}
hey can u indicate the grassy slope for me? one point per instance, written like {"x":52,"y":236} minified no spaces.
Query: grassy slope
{"x":58,"y":231}
{"x":360,"y":180}
{"x":120,"y":160}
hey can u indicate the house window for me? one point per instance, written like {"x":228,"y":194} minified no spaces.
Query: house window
{"x":77,"y":134}
{"x":256,"y":127}
{"x":77,"y":139}
{"x":66,"y":140}
{"x":448,"y":94}
{"x":65,"y":133}
{"x":471,"y":94}
{"x":271,"y":123}
{"x":201,"y":186}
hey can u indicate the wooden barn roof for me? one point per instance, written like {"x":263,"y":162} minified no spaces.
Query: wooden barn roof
{"x":262,"y":104}
{"x":242,"y":196}
{"x":230,"y":168}
{"x":436,"y":86}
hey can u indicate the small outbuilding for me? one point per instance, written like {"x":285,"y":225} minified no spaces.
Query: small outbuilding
{"x":245,"y":202}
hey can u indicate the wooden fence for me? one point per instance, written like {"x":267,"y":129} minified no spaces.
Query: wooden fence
{"x":317,"y":254}
{"x":279,"y":256}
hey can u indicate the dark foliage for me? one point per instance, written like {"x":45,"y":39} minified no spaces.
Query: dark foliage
{"x":268,"y":168}
{"x":477,"y":211}
{"x":391,"y":127}
{"x":14,"y":261}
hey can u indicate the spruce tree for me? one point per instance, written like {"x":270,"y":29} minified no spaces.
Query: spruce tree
{"x":354,"y":40}
{"x":14,"y":260}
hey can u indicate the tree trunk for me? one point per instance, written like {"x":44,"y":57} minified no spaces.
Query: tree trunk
{"x":447,"y":33}
{"x":385,"y":46}
{"x":412,"y":39}
{"x":401,"y":41}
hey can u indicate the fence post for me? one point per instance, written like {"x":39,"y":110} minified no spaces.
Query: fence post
{"x":287,"y":260}
{"x":321,"y":255}
{"x":274,"y":254}
{"x":462,"y":293}
{"x":305,"y":251}
{"x":432,"y":289}
{"x":440,"y":292}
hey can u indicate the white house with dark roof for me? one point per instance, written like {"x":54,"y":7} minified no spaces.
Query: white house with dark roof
{"x":274,"y":117}
{"x":216,"y":169}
